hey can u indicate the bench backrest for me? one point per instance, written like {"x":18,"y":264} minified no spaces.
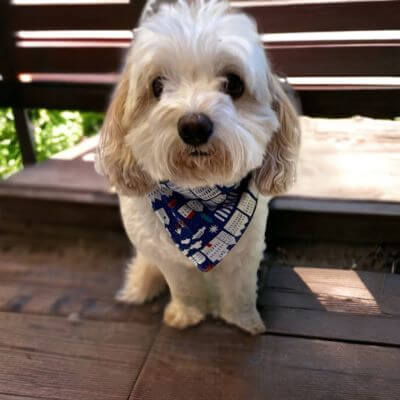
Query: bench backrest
{"x":68,"y":55}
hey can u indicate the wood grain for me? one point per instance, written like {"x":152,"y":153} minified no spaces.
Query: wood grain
{"x":217,"y":362}
{"x":304,"y":59}
{"x":334,"y":101}
{"x":335,"y":60}
{"x":60,"y":192}
{"x":58,"y":59}
{"x":56,"y":95}
{"x":332,"y":304}
{"x":50,"y":357}
{"x":75,"y":17}
{"x":337,"y":102}
{"x":306,"y":218}
{"x":75,"y":175}
{"x":57,"y":211}
{"x":271,"y":16}
{"x":75,"y":275}
{"x":287,"y":16}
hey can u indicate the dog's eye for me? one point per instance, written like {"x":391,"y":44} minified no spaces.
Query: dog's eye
{"x":158,"y":86}
{"x":233,"y":86}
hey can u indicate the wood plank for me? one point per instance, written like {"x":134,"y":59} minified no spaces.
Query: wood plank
{"x":272,"y":17}
{"x":71,"y":273}
{"x":62,"y":175}
{"x":16,"y":209}
{"x":56,"y":95}
{"x":336,"y":102}
{"x":351,"y":158}
{"x":358,"y":221}
{"x":217,"y":362}
{"x":75,"y":17}
{"x":325,"y":59}
{"x":5,"y":396}
{"x":316,"y":101}
{"x":332,"y":304}
{"x":305,"y":16}
{"x":120,"y":343}
{"x":50,"y":357}
{"x":61,"y":191}
{"x":335,"y":60}
{"x":58,"y":59}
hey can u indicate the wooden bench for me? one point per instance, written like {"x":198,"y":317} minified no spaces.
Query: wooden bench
{"x":331,"y":333}
{"x":78,"y":69}
{"x":77,"y":66}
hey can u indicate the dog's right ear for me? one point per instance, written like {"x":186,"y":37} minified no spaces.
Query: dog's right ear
{"x":278,"y":171}
{"x":114,"y":158}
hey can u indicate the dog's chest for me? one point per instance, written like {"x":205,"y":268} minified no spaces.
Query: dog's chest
{"x":147,"y":232}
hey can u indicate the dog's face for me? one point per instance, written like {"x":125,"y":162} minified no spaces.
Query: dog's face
{"x":197,"y":104}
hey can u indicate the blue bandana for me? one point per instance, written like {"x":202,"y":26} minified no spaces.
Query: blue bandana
{"x":205,"y":223}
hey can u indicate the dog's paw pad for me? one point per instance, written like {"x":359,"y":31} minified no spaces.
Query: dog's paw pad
{"x":180,"y":316}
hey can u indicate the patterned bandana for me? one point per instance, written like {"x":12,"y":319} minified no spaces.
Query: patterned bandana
{"x":205,"y":223}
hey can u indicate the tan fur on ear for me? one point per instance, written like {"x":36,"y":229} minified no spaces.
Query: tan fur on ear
{"x":115,"y":159}
{"x":278,"y":171}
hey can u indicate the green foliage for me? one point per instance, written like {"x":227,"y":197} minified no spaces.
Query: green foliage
{"x":10,"y":155}
{"x":54,"y":131}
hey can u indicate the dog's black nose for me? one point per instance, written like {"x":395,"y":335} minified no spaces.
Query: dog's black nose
{"x":195,"y":129}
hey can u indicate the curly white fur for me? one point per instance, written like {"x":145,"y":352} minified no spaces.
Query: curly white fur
{"x":193,"y":46}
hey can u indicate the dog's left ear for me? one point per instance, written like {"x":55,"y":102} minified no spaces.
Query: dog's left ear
{"x":278,"y":171}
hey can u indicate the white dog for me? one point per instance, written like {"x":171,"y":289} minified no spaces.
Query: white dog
{"x":198,"y":133}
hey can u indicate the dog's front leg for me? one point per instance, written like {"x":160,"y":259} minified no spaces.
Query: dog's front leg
{"x":143,"y":281}
{"x":236,"y":280}
{"x":188,"y":305}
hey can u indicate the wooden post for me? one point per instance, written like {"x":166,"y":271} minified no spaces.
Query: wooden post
{"x":24,"y":129}
{"x":8,"y":70}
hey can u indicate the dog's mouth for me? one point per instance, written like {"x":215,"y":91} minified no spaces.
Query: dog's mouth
{"x":199,"y":153}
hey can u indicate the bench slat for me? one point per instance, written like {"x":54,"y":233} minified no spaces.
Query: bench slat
{"x":347,"y":102}
{"x":286,"y":16}
{"x":342,"y":102}
{"x":289,"y":60}
{"x":355,"y":59}
{"x":69,"y":59}
{"x":79,"y":17}
{"x":272,"y":17}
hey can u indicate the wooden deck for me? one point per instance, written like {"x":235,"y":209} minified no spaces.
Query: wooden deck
{"x":332,"y":333}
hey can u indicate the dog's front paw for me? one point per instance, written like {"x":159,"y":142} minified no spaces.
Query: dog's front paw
{"x":139,"y":294}
{"x":254,"y":327}
{"x":181,"y":316}
{"x":249,"y":322}
{"x":143,"y":283}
